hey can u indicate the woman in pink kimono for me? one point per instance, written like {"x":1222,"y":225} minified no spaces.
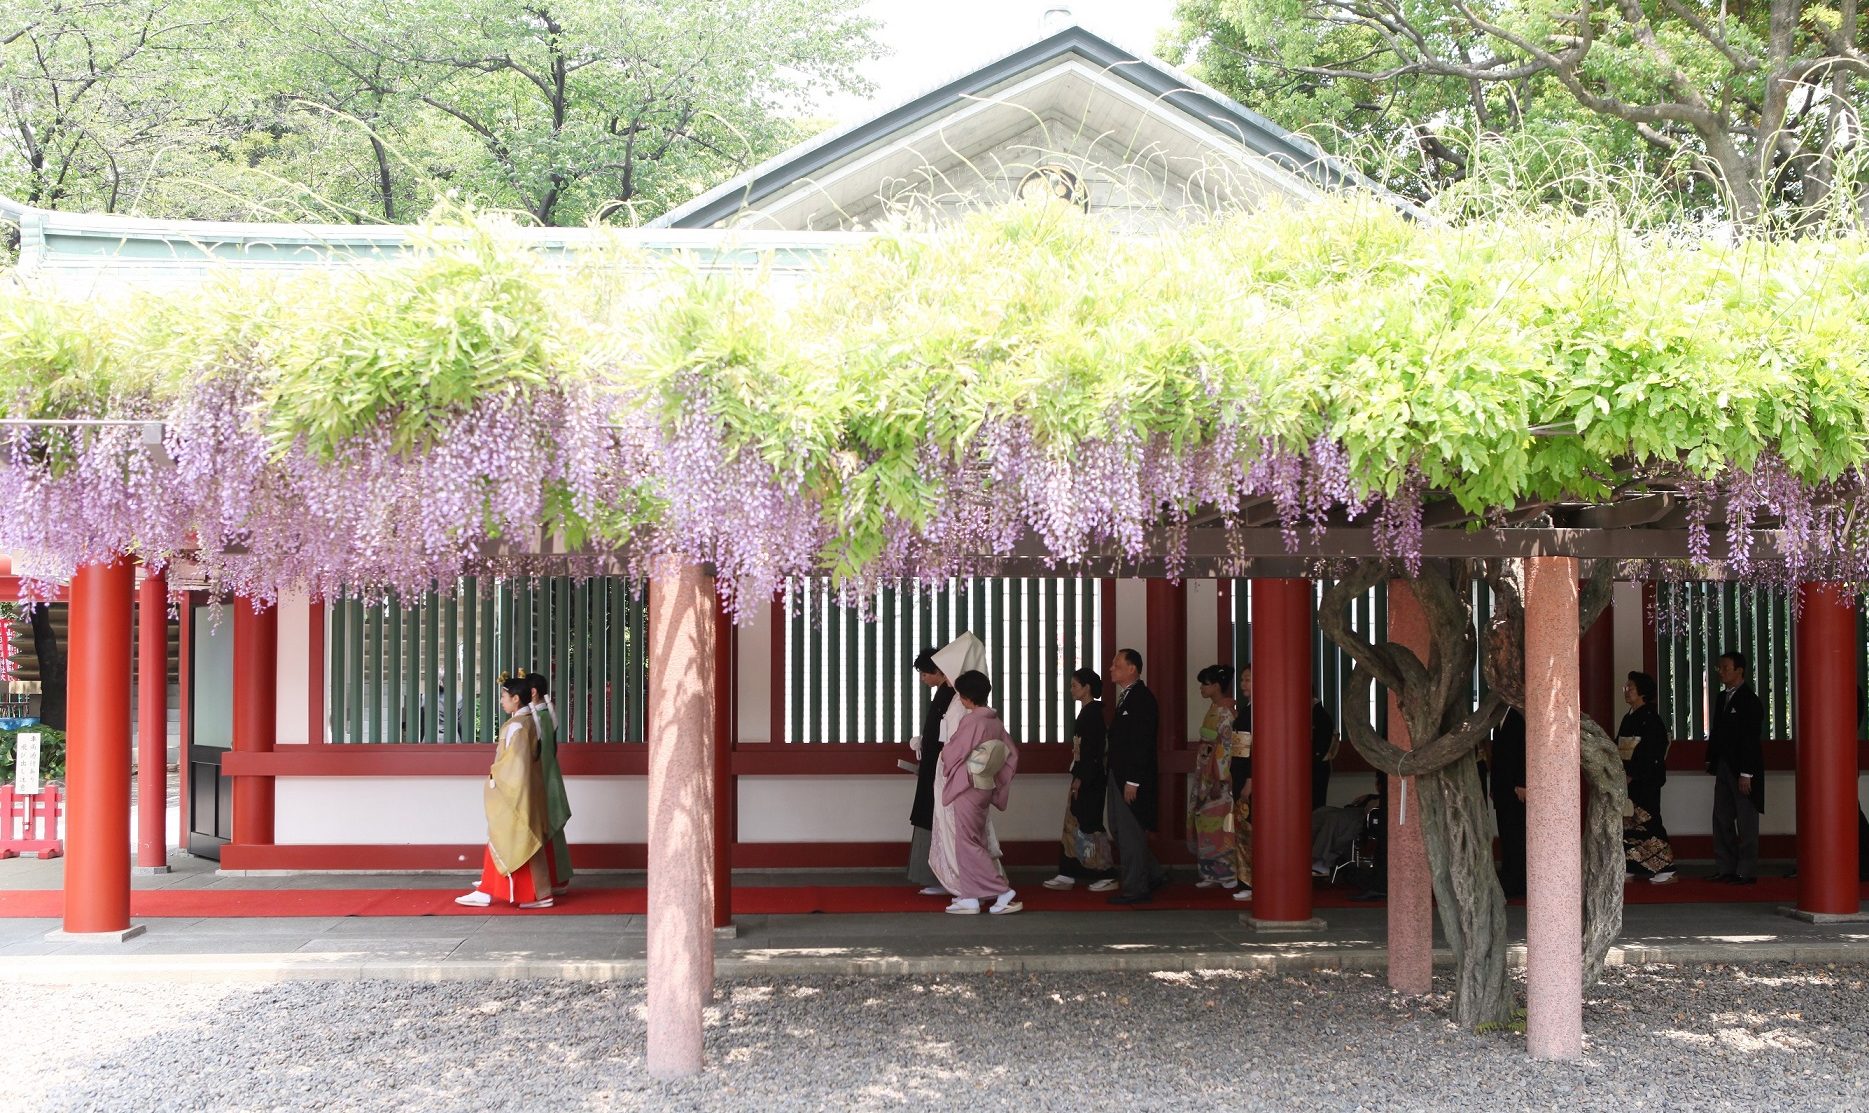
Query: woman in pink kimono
{"x":977,"y":767}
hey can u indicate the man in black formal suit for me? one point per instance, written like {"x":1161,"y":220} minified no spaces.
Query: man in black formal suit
{"x":1736,"y":758}
{"x":1132,"y":740}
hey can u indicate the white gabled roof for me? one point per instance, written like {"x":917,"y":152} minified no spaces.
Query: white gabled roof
{"x":1175,"y":99}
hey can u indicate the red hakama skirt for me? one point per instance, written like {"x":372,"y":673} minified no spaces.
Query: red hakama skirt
{"x":530,"y":882}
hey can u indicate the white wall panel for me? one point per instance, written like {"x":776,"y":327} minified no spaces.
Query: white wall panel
{"x":294,"y":671}
{"x":1132,"y":619}
{"x":428,"y":810}
{"x":876,"y":809}
{"x":757,"y":674}
{"x":1203,"y":622}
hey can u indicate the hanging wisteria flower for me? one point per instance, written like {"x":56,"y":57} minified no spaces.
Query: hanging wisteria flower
{"x":1023,"y":389}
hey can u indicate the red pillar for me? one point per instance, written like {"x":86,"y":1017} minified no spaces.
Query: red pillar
{"x":1281,"y":783}
{"x":726,"y":798}
{"x":1826,"y":725}
{"x":1165,"y":664}
{"x":256,"y":715}
{"x":681,"y":815}
{"x":1553,"y":813}
{"x":97,"y":757}
{"x":1596,"y":671}
{"x":1411,"y":886}
{"x":152,"y":730}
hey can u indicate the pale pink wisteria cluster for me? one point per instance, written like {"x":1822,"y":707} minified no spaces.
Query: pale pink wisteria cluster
{"x":582,"y":480}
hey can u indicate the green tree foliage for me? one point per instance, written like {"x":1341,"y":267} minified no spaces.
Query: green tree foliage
{"x":568,"y":111}
{"x":97,"y":93}
{"x":1747,"y":109}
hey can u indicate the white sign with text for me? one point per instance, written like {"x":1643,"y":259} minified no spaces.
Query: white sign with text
{"x":26,"y":763}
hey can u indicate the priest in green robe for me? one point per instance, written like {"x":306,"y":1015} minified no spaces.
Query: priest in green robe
{"x":557,"y":803}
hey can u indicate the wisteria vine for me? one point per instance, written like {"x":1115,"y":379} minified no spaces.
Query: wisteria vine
{"x":979,"y":437}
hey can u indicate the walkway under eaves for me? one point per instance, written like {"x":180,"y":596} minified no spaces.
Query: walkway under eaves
{"x":445,"y":942}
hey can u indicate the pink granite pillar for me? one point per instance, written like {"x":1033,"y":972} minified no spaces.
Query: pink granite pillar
{"x":1411,"y":886}
{"x":681,"y":815}
{"x":1553,"y":813}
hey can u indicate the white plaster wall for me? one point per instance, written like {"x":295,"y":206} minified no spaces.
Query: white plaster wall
{"x":1627,"y":624}
{"x":294,"y":704}
{"x":876,"y":809}
{"x":430,"y":810}
{"x":440,"y":810}
{"x":1132,"y":618}
{"x":755,"y":668}
{"x":1687,"y":802}
{"x":1203,"y":622}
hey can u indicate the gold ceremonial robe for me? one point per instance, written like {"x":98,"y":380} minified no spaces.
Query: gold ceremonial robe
{"x":514,"y":796}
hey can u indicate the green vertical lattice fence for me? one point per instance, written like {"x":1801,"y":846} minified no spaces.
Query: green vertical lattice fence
{"x":1699,"y":622}
{"x":850,"y":680}
{"x":392,"y":662}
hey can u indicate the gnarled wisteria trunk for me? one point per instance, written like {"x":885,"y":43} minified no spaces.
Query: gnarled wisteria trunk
{"x":1446,"y":730}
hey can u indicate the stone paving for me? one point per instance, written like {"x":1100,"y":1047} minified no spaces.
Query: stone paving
{"x":599,"y":947}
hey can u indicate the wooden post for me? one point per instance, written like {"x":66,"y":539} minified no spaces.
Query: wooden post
{"x":1410,"y":884}
{"x":152,"y":731}
{"x":1553,"y":812}
{"x":1165,"y":671}
{"x":1826,"y":775}
{"x":726,"y":802}
{"x":256,"y":715}
{"x":97,"y":756}
{"x":1281,"y":829}
{"x":1596,"y":671}
{"x":681,"y":815}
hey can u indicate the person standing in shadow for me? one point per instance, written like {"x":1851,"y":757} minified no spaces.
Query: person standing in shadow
{"x":1736,"y":758}
{"x":1507,"y":772}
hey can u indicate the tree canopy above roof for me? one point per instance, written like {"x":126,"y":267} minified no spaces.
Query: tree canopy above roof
{"x":932,"y":404}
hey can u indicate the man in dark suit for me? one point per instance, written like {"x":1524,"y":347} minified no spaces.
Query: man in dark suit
{"x":1736,"y":758}
{"x":1132,"y":741}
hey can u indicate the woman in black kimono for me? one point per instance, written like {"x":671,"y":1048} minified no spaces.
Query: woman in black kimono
{"x":928,"y":755}
{"x":1642,"y":738}
{"x":1086,"y":853}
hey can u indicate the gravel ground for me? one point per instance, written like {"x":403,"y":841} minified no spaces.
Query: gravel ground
{"x":1769,"y":1036}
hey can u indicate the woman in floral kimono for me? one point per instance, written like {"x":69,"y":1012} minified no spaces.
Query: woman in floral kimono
{"x":966,"y":653}
{"x":977,"y":767}
{"x":515,"y":869}
{"x":1210,"y":814}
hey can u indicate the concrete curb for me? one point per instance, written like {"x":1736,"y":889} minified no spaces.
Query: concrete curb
{"x":264,"y":968}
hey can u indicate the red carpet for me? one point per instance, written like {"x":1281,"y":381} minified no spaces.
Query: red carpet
{"x":760,"y":900}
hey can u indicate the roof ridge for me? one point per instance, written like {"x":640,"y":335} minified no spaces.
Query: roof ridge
{"x":1291,"y":151}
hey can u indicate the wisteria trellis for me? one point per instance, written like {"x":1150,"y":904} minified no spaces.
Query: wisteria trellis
{"x":930,"y":400}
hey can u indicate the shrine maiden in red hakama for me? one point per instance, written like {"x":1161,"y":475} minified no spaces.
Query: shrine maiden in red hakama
{"x":515,"y":869}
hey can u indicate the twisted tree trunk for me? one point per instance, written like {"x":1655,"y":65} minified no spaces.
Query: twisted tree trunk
{"x":1604,"y":871}
{"x":1446,"y":732}
{"x":1467,"y":896}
